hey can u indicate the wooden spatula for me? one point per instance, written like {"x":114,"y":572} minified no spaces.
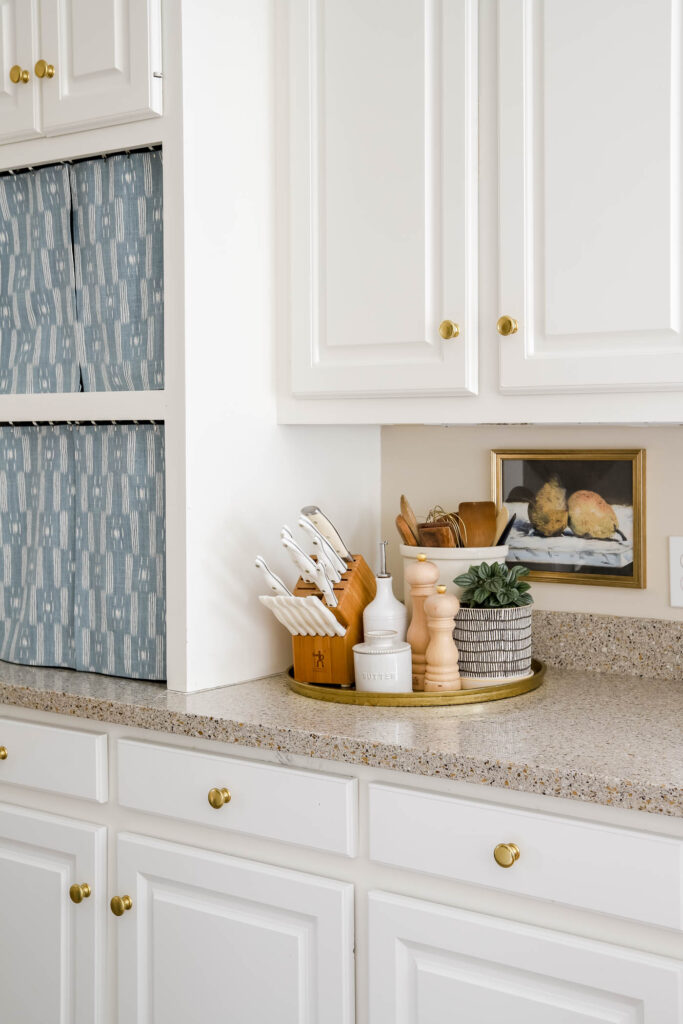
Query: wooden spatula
{"x":479,"y":518}
{"x":501,"y":522}
{"x":404,"y":531}
{"x":410,"y":517}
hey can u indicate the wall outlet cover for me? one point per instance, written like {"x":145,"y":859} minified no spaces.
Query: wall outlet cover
{"x":676,"y":571}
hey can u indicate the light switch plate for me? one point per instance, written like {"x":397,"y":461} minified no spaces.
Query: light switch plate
{"x":676,"y":571}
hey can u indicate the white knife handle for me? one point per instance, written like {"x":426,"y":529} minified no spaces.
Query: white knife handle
{"x":327,"y":530}
{"x":335,"y":565}
{"x":325,"y":586}
{"x":306,"y":566}
{"x":274,"y":582}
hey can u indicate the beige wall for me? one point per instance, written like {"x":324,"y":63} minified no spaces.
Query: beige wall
{"x":446,"y":465}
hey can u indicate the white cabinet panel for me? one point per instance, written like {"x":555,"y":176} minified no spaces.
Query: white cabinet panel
{"x":105,"y":54}
{"x":382,"y":116}
{"x":51,"y":950}
{"x":214,"y":938}
{"x":574,"y":862}
{"x":430,"y":964}
{"x":590,"y":194}
{"x":18,"y":108}
{"x":287,"y":804}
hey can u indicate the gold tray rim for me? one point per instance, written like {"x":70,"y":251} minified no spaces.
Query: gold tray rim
{"x":438,"y":698}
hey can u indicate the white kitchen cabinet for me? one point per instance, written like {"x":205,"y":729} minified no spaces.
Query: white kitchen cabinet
{"x":380,"y":194}
{"x":213,"y":938}
{"x":52,"y":966}
{"x":107,"y":60}
{"x":102,"y":65}
{"x":18,"y":100}
{"x":431,"y":963}
{"x":590,"y":195}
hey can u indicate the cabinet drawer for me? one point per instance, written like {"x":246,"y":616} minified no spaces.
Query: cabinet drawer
{"x":292,"y":806}
{"x":612,"y":870}
{"x":66,"y":761}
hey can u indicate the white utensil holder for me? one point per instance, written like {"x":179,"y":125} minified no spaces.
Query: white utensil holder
{"x":451,"y":562}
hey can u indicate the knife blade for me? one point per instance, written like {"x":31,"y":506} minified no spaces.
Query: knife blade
{"x":273,"y":582}
{"x":334,"y":565}
{"x":328,"y":530}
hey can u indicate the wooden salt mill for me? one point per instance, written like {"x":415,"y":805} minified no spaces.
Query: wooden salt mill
{"x":422,"y":576}
{"x":442,"y":672}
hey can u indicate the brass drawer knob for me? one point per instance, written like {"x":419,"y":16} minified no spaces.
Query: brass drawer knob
{"x":78,"y":893}
{"x":507,"y":325}
{"x":18,"y":74}
{"x":219,"y":797}
{"x":449,"y":329}
{"x":120,"y":904}
{"x":44,"y":70}
{"x":3,"y":754}
{"x":506,"y":854}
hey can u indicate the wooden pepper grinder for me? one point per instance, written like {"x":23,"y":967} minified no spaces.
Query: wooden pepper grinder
{"x":442,"y":672}
{"x":422,"y":576}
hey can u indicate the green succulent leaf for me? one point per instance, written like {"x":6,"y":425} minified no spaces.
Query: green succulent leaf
{"x":494,"y":586}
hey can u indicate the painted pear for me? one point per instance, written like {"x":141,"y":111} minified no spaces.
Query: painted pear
{"x":591,"y":516}
{"x":548,"y":511}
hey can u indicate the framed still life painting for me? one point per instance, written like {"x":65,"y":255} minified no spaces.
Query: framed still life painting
{"x":579,"y":516}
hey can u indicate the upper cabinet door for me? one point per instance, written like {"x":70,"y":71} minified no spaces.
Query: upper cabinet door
{"x":18,"y":108}
{"x":381,"y":187}
{"x":105,"y":55}
{"x":590,"y":194}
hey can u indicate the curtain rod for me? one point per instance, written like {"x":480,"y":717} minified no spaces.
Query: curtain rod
{"x":82,"y":159}
{"x":81,"y":423}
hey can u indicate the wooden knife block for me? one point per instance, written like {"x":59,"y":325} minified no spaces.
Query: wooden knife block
{"x":329,"y":659}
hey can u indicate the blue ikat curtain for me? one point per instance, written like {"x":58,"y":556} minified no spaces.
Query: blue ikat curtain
{"x":81,"y":276}
{"x":37,"y":286}
{"x":82,"y":548}
{"x":118,"y":250}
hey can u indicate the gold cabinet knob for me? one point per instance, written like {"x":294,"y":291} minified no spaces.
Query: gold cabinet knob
{"x":449,"y":329}
{"x":120,"y":904}
{"x":219,"y":797}
{"x":3,"y":754}
{"x":78,"y":893}
{"x":506,"y":854}
{"x":18,"y":74}
{"x":44,"y":70}
{"x":507,"y":325}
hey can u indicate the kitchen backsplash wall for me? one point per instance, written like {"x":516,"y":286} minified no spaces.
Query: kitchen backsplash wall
{"x":446,"y":465}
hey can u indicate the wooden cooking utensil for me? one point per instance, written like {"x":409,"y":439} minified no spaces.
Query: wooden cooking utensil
{"x":409,"y":516}
{"x":436,"y":535}
{"x":479,"y":518}
{"x":501,"y":522}
{"x":405,"y":533}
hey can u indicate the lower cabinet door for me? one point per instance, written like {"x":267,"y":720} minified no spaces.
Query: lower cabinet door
{"x":212,"y":939}
{"x":52,"y":950}
{"x":430,"y":964}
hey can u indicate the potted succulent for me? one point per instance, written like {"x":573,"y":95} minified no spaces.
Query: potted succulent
{"x":493,"y":626}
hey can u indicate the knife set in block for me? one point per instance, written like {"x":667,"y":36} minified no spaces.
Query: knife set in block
{"x":329,"y":659}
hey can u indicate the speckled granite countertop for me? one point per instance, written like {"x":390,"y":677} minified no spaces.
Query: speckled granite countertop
{"x":604,"y":739}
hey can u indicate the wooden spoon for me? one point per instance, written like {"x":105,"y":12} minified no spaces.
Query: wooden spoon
{"x":405,"y":533}
{"x":479,"y":518}
{"x":501,"y":522}
{"x":410,"y":517}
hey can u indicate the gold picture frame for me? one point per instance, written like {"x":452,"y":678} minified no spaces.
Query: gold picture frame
{"x":592,"y":561}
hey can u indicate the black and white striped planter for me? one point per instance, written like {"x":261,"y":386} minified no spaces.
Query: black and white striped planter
{"x":494,"y":644}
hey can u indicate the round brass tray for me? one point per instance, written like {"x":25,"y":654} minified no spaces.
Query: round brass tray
{"x":437,"y":698}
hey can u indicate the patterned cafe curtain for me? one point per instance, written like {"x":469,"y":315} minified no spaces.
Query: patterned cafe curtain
{"x":118,"y":251}
{"x":37,"y":287}
{"x":82,"y":548}
{"x":81,"y":276}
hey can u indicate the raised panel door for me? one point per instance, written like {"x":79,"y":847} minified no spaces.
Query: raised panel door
{"x":380,"y":187}
{"x":216,"y":938}
{"x":590,"y":194}
{"x":107,"y":60}
{"x":18,"y":107}
{"x":430,"y":963}
{"x":52,"y":953}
